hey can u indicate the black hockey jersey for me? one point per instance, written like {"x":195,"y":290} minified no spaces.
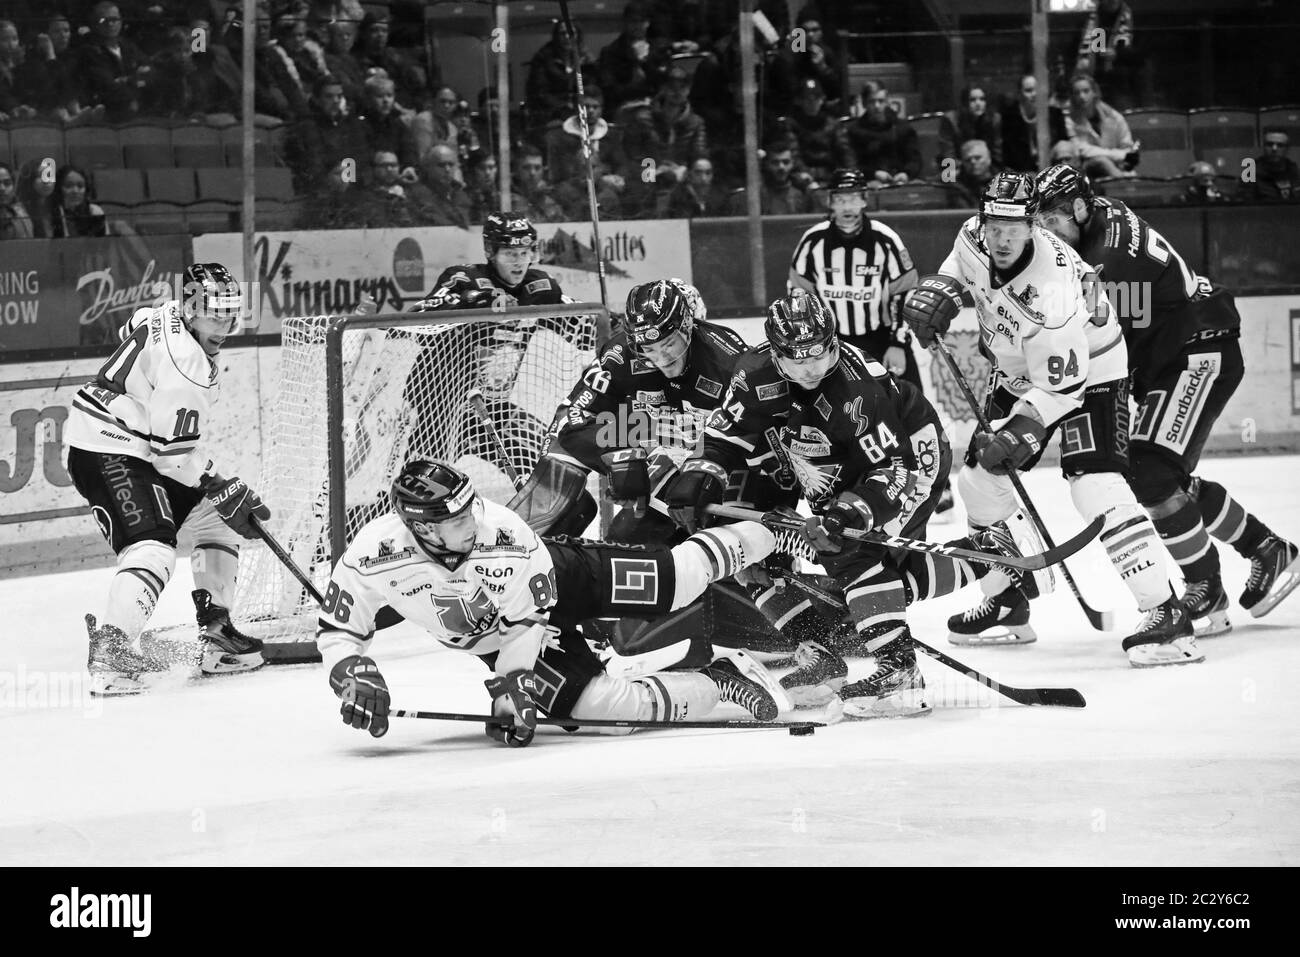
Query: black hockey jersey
{"x":1155,"y":293}
{"x":479,"y":287}
{"x":624,"y":401}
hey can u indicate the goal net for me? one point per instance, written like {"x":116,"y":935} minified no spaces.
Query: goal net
{"x":359,"y":396}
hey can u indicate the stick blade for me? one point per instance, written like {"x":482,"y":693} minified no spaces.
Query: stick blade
{"x":1058,"y":554}
{"x":1050,"y":697}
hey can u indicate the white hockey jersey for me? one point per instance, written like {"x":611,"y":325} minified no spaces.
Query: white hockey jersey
{"x":151,"y":398}
{"x":1050,"y":328}
{"x":496,"y":599}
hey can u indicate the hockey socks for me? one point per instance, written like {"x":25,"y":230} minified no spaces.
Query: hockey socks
{"x":1225,"y":518}
{"x":143,"y":570}
{"x":1178,"y":521}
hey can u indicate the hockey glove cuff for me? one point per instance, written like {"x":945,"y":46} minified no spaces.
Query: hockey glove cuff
{"x":512,"y":695}
{"x":629,"y":477}
{"x":698,"y":484}
{"x":1011,"y":446}
{"x":364,"y":692}
{"x":235,"y":502}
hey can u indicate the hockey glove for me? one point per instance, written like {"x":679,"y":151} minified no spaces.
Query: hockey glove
{"x":930,"y":308}
{"x":825,"y":532}
{"x":235,"y":502}
{"x":512,"y":695}
{"x":629,"y":478}
{"x":365,"y":696}
{"x":1011,"y":446}
{"x":699,"y":483}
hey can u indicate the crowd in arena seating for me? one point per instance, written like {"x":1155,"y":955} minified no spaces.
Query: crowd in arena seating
{"x":353,"y":103}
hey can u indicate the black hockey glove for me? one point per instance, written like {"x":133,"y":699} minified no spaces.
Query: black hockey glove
{"x":825,"y":532}
{"x":1011,"y":446}
{"x":629,"y":477}
{"x":699,"y":483}
{"x":930,"y":308}
{"x":364,"y":692}
{"x":235,"y":502}
{"x":512,"y":695}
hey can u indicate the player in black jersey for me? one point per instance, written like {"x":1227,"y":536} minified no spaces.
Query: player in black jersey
{"x":1183,"y":336}
{"x":867,"y":450}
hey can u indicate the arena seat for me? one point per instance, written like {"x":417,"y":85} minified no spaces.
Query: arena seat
{"x":171,"y":185}
{"x":1166,"y":141}
{"x":145,"y":145}
{"x":119,"y":186}
{"x":1224,"y":137}
{"x":1143,"y":190}
{"x":197,"y":146}
{"x":1287,"y":117}
{"x":927,"y":126}
{"x":273,"y":183}
{"x":93,"y":147}
{"x":154,"y":218}
{"x":915,"y":196}
{"x":220,"y":183}
{"x":36,"y":140}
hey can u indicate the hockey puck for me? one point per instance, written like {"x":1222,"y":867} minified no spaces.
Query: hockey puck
{"x":801,"y":731}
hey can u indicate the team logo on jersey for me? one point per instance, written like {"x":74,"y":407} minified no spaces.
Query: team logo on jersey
{"x":483,"y":283}
{"x":645,"y":397}
{"x":386,"y":553}
{"x":465,"y":620}
{"x":738,"y":383}
{"x":927,"y":457}
{"x":708,"y":387}
{"x":861,"y":423}
{"x":1028,"y":295}
{"x":538,"y":285}
{"x":773,"y":390}
{"x":634,"y":581}
{"x":810,"y":443}
{"x":505,"y":537}
{"x":823,"y":407}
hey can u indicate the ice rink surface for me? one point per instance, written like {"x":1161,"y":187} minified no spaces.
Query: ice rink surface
{"x":1193,"y":765}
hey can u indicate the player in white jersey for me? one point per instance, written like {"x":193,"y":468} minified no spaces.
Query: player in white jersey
{"x":133,"y":435}
{"x":1061,"y":362}
{"x":478,"y":579}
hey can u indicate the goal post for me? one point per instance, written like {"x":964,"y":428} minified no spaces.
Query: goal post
{"x":360,"y":395}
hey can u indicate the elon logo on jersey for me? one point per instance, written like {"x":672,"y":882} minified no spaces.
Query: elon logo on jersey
{"x":465,"y":617}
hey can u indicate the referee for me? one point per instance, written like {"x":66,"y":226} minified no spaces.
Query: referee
{"x":860,"y":268}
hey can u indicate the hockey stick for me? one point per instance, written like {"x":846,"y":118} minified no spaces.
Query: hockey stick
{"x":586,"y":148}
{"x":478,"y":405}
{"x":1027,"y":563}
{"x":1100,"y":620}
{"x":1053,"y":697}
{"x":287,"y":561}
{"x":795,"y":727}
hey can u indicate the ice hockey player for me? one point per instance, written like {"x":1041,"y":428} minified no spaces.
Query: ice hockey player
{"x":868,"y":452}
{"x":1061,"y":362}
{"x":132,"y":438}
{"x":479,"y":580}
{"x":1184,"y":351}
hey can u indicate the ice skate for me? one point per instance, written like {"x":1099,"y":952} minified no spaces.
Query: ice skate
{"x":998,"y":620}
{"x":1207,"y":605}
{"x":819,"y":674}
{"x":1274,"y":573}
{"x":223,"y":649}
{"x":896,"y":689}
{"x":1164,"y":637}
{"x":115,"y":667}
{"x":998,"y":538}
{"x":738,"y":685}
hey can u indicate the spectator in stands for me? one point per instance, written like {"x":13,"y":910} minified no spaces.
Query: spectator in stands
{"x":574,"y":197}
{"x":436,"y":125}
{"x":973,"y":121}
{"x":386,"y":201}
{"x":1020,"y":128}
{"x":631,"y":67}
{"x":275,"y":94}
{"x":317,"y":143}
{"x":449,"y":203}
{"x":481,"y":183}
{"x":550,"y":89}
{"x":340,"y":37}
{"x":467,"y":138}
{"x":50,"y":73}
{"x":323,"y":15}
{"x":697,"y":194}
{"x":1277,"y":180}
{"x":72,"y":210}
{"x":1204,"y":188}
{"x":113,"y":70}
{"x":175,"y":92}
{"x":35,"y":187}
{"x":781,"y":195}
{"x":564,"y":142}
{"x":386,"y":128}
{"x":802,"y":56}
{"x":374,"y":51}
{"x":16,"y":98}
{"x":813,"y":128}
{"x":303,"y":57}
{"x":332,"y":205}
{"x":1106,"y":50}
{"x":879,"y":142}
{"x":679,"y":129}
{"x":532,"y":194}
{"x":15,"y":221}
{"x":1100,"y":133}
{"x":977,"y":168}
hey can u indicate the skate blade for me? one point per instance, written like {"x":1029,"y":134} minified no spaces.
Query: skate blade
{"x":995,"y":638}
{"x":107,"y":685}
{"x":815,"y":696}
{"x":905,"y":704}
{"x":1285,"y":584}
{"x":1213,"y":625}
{"x":217,"y":662}
{"x":1180,"y":652}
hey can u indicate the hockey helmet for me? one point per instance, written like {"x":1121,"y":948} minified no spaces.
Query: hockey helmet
{"x":1060,"y":185}
{"x":801,"y":331}
{"x":655,"y":310}
{"x":208,"y":290}
{"x":1009,"y":196}
{"x":847,"y":179}
{"x":507,"y":229}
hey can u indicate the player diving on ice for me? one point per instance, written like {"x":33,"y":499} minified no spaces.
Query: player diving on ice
{"x":132,"y":438}
{"x":1061,"y":363}
{"x":478,"y":579}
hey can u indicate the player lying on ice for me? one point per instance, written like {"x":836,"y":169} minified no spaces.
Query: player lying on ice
{"x":478,"y":579}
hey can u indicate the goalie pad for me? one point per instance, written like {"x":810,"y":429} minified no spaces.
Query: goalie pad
{"x":555,"y":500}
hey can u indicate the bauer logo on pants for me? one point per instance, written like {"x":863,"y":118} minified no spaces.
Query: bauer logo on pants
{"x":635,"y":581}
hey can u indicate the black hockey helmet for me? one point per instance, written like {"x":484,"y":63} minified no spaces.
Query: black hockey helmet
{"x":1060,"y":185}
{"x":209,"y":290}
{"x":847,"y":180}
{"x":507,"y":229}
{"x":799,"y":326}
{"x":1009,"y":196}
{"x":429,"y":491}
{"x":655,"y":310}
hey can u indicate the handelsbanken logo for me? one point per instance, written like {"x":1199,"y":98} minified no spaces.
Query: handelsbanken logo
{"x":77,"y":910}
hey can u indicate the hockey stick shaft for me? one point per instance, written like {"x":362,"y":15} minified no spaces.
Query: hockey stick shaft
{"x":287,"y":561}
{"x":1021,"y":563}
{"x":479,"y":407}
{"x":1096,"y":618}
{"x":601,"y":722}
{"x":1058,"y":697}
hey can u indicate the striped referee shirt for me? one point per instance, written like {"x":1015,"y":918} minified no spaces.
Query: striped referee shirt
{"x":853,"y":274}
